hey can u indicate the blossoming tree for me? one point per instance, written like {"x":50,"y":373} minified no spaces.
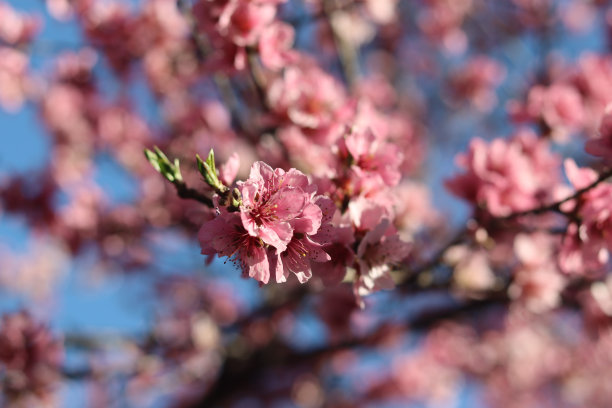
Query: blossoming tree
{"x":310,"y":144}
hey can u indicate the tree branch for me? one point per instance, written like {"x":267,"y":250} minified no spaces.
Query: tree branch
{"x":189,"y":193}
{"x":556,"y":206}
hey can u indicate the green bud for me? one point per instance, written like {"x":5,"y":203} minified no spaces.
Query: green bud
{"x":208,"y":170}
{"x":161,"y":163}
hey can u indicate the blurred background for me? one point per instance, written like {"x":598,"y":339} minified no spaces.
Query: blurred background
{"x":103,"y":257}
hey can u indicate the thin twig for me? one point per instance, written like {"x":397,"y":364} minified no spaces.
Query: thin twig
{"x":413,"y":275}
{"x":186,"y":192}
{"x":222,"y":83}
{"x":556,"y":206}
{"x":346,"y":53}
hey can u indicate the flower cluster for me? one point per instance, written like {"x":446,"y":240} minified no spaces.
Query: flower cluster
{"x":507,"y":176}
{"x":234,"y":25}
{"x":276,"y":228}
{"x":30,"y":357}
{"x":587,"y":245}
{"x":281,"y":226}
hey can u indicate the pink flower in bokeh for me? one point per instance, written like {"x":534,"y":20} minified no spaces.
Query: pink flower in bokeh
{"x":476,"y":81}
{"x":60,"y":9}
{"x":601,"y":146}
{"x":336,"y":238}
{"x":30,"y":356}
{"x":306,"y":96}
{"x":378,"y":250}
{"x":586,"y":247}
{"x":507,"y":176}
{"x":15,"y":28}
{"x":275,"y":46}
{"x":537,"y":281}
{"x":559,"y":106}
{"x":375,"y":157}
{"x":244,"y":20}
{"x":441,"y":20}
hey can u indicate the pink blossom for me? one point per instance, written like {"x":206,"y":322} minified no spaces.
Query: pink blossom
{"x":336,"y":238}
{"x":275,"y":46}
{"x":559,"y":106}
{"x":441,"y":22}
{"x":225,"y":236}
{"x":594,"y":77}
{"x":365,"y":213}
{"x":278,"y":230}
{"x":579,"y":16}
{"x":594,"y":81}
{"x":16,"y":28}
{"x":30,"y":356}
{"x":314,"y":158}
{"x":110,"y":25}
{"x":413,"y":208}
{"x":374,"y":157}
{"x":537,"y":281}
{"x":476,"y":81}
{"x":229,"y":170}
{"x":534,"y":12}
{"x":506,"y":176}
{"x":306,"y":246}
{"x":377,"y":251}
{"x":382,"y":11}
{"x":585,"y":247}
{"x":244,"y":20}
{"x":377,"y":90}
{"x":76,"y":68}
{"x":306,"y":96}
{"x":59,"y":9}
{"x":421,"y":377}
{"x":602,"y":145}
{"x":270,"y":200}
{"x":472,"y":270}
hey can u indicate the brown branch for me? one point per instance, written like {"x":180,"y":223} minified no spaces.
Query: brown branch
{"x":347,"y":54}
{"x":240,"y":375}
{"x":413,"y":275}
{"x":189,"y":193}
{"x":223,"y":84}
{"x":556,"y":206}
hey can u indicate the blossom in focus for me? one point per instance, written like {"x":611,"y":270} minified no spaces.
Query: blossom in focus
{"x":273,"y":230}
{"x":225,"y":236}
{"x":271,"y":199}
